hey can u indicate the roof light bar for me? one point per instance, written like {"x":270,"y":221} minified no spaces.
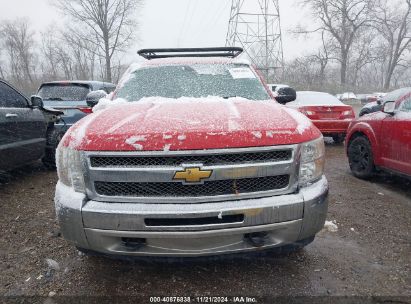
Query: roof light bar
{"x":230,"y":52}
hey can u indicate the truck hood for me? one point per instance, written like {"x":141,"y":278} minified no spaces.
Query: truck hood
{"x":159,"y":124}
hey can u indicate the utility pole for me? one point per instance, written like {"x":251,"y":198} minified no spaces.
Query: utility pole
{"x":255,"y":26}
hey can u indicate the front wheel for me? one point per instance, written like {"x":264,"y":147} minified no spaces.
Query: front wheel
{"x":360,"y":157}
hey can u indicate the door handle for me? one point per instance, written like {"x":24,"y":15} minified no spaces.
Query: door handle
{"x":11,"y":115}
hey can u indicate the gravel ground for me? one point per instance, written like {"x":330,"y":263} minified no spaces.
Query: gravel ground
{"x":368,"y":255}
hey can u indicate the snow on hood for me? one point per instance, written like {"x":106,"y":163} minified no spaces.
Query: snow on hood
{"x":105,"y":103}
{"x":157,"y":123}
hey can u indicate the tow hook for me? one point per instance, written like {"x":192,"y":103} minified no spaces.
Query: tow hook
{"x":133,"y":243}
{"x":256,"y":239}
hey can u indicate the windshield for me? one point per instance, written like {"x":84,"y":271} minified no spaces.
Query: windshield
{"x":198,"y":80}
{"x":64,"y":92}
{"x":317,"y":99}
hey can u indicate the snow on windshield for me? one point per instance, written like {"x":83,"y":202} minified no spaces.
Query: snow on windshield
{"x":194,"y":80}
{"x":64,"y":92}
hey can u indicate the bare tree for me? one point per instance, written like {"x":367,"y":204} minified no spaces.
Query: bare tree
{"x":323,"y":57}
{"x":393,"y":23}
{"x":302,"y":73}
{"x":19,"y":45}
{"x":341,"y":20}
{"x":2,"y":71}
{"x":82,"y":53}
{"x":50,"y":61}
{"x":364,"y":52}
{"x":107,"y":25}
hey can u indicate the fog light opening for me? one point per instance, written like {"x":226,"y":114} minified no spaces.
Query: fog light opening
{"x":256,"y":239}
{"x":133,"y":243}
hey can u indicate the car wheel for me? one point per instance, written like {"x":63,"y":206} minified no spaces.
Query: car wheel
{"x":339,"y":139}
{"x":54,"y":137}
{"x":361,"y":158}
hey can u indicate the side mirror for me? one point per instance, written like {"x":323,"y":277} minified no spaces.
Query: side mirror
{"x":93,"y":97}
{"x":389,"y":107}
{"x":286,"y":95}
{"x":36,"y":101}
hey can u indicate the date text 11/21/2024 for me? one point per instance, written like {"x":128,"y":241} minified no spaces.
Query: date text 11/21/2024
{"x":203,"y":299}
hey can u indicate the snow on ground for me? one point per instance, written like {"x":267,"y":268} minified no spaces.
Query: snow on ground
{"x":331,"y":226}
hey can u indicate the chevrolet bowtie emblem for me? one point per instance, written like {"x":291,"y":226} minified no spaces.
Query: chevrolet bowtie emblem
{"x":192,"y":175}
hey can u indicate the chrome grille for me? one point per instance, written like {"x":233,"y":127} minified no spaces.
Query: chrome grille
{"x":209,"y":188}
{"x":149,"y":176}
{"x":206,"y":160}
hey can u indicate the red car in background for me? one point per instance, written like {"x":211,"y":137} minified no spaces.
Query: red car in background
{"x":326,"y":111}
{"x":382,"y":140}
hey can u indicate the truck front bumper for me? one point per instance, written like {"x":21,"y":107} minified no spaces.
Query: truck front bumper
{"x":184,"y":230}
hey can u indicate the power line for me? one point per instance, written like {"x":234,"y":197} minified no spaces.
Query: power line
{"x":184,"y":22}
{"x":217,"y":16}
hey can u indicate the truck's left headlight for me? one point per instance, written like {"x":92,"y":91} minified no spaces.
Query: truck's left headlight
{"x":70,"y":168}
{"x":312,"y":161}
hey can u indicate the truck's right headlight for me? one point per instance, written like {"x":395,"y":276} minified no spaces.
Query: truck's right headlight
{"x":312,"y":161}
{"x":69,"y":168}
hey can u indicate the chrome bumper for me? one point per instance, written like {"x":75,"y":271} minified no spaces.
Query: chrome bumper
{"x":104,"y":226}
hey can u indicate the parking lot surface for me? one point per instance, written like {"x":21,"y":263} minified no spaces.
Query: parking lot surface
{"x":369,"y":254}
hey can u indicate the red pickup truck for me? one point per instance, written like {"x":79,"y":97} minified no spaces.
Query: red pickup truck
{"x":191,"y":156}
{"x":382,"y":140}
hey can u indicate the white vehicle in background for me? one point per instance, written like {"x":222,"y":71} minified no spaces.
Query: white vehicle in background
{"x":379,"y":95}
{"x":349,"y":98}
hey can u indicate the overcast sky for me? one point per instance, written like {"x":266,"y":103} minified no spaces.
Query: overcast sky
{"x":176,"y":23}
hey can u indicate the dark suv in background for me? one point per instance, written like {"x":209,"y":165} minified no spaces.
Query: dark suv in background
{"x":24,"y":128}
{"x":70,"y":98}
